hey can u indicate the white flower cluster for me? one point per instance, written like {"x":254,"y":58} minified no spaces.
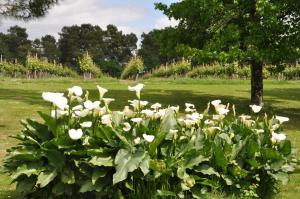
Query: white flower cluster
{"x":81,"y":112}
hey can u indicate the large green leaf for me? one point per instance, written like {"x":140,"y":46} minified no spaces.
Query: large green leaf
{"x":24,"y":170}
{"x":207,"y":170}
{"x":193,"y":158}
{"x":125,"y":162}
{"x":168,"y":122}
{"x":37,"y":129}
{"x":98,"y":173}
{"x":25,"y":185}
{"x":68,"y":176}
{"x":106,"y":161}
{"x":219,"y":157}
{"x":46,"y":177}
{"x":56,"y":158}
{"x":165,"y":193}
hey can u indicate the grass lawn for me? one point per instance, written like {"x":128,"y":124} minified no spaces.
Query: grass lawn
{"x":20,"y":99}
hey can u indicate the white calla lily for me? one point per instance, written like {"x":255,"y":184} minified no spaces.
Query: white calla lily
{"x":137,"y":140}
{"x":216,"y":102}
{"x":137,"y":89}
{"x":137,"y":120}
{"x":255,"y":108}
{"x":106,"y":120}
{"x":75,"y":134}
{"x":126,"y":127}
{"x":149,"y":113}
{"x":282,"y":119}
{"x":86,"y":124}
{"x":148,"y":138}
{"x":156,"y":106}
{"x":102,"y":91}
{"x":57,"y":99}
{"x":222,"y":111}
{"x":75,"y":90}
{"x":278,"y":137}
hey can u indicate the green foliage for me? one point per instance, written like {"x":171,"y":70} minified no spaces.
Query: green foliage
{"x":178,"y":68}
{"x":40,"y":68}
{"x":12,"y":70}
{"x":133,"y":68}
{"x":160,"y":156}
{"x":87,"y":66}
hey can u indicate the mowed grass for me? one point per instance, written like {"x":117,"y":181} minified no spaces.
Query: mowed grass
{"x":21,"y":99}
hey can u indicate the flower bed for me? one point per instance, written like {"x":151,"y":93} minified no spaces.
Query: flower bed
{"x":85,"y":150}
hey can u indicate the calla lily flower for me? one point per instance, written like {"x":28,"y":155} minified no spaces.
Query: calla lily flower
{"x":216,"y":102}
{"x":137,"y":120}
{"x":137,"y":140}
{"x":102,"y":91}
{"x":278,"y":137}
{"x":75,"y":134}
{"x":222,"y":111}
{"x":282,"y":119}
{"x":58,"y":113}
{"x":86,"y":124}
{"x":149,"y":113}
{"x":189,"y":105}
{"x":126,"y":127}
{"x":255,"y":108}
{"x":56,"y":98}
{"x":156,"y":106}
{"x":106,"y":119}
{"x":107,"y":101}
{"x":137,"y":89}
{"x":82,"y":113}
{"x":148,"y":138}
{"x":76,"y":90}
{"x":91,"y":105}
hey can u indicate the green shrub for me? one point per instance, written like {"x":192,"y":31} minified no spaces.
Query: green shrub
{"x":179,"y":68}
{"x":134,"y":67}
{"x":12,"y":70}
{"x":84,"y":150}
{"x":292,"y":72}
{"x":42,"y":68}
{"x":87,"y":66}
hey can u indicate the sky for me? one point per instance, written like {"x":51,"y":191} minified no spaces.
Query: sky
{"x":135,"y":16}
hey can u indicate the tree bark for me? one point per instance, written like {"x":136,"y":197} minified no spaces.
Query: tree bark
{"x":256,"y":83}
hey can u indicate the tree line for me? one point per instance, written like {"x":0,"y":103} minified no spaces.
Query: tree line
{"x":110,"y":48}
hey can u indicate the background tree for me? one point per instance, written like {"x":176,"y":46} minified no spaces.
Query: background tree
{"x":25,"y":9}
{"x":50,"y":48}
{"x":15,"y":44}
{"x":255,"y":31}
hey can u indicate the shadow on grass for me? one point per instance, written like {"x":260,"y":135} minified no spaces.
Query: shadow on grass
{"x":175,"y":97}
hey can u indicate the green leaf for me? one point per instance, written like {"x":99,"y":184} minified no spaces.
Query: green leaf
{"x":125,"y":162}
{"x":106,"y":161}
{"x":207,"y":170}
{"x":285,"y":147}
{"x":68,"y":176}
{"x":25,"y":185}
{"x":50,"y":122}
{"x":24,"y":170}
{"x":282,"y":177}
{"x":46,"y":177}
{"x":168,"y":122}
{"x":37,"y":129}
{"x":56,"y":158}
{"x":219,"y":157}
{"x":145,"y":164}
{"x":252,"y":148}
{"x":193,"y":158}
{"x":98,"y":173}
{"x":89,"y":186}
{"x":165,"y":193}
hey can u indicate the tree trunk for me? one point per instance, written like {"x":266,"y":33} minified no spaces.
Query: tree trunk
{"x":256,"y":83}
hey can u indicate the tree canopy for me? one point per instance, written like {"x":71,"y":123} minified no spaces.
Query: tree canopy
{"x":25,"y":9}
{"x":256,"y":31}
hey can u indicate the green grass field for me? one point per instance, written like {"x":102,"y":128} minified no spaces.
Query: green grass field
{"x":20,"y":99}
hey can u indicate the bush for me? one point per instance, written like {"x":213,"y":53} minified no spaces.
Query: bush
{"x":88,"y":67}
{"x":42,"y":68}
{"x":179,"y":68}
{"x":84,"y":150}
{"x":133,"y":68}
{"x":12,"y":70}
